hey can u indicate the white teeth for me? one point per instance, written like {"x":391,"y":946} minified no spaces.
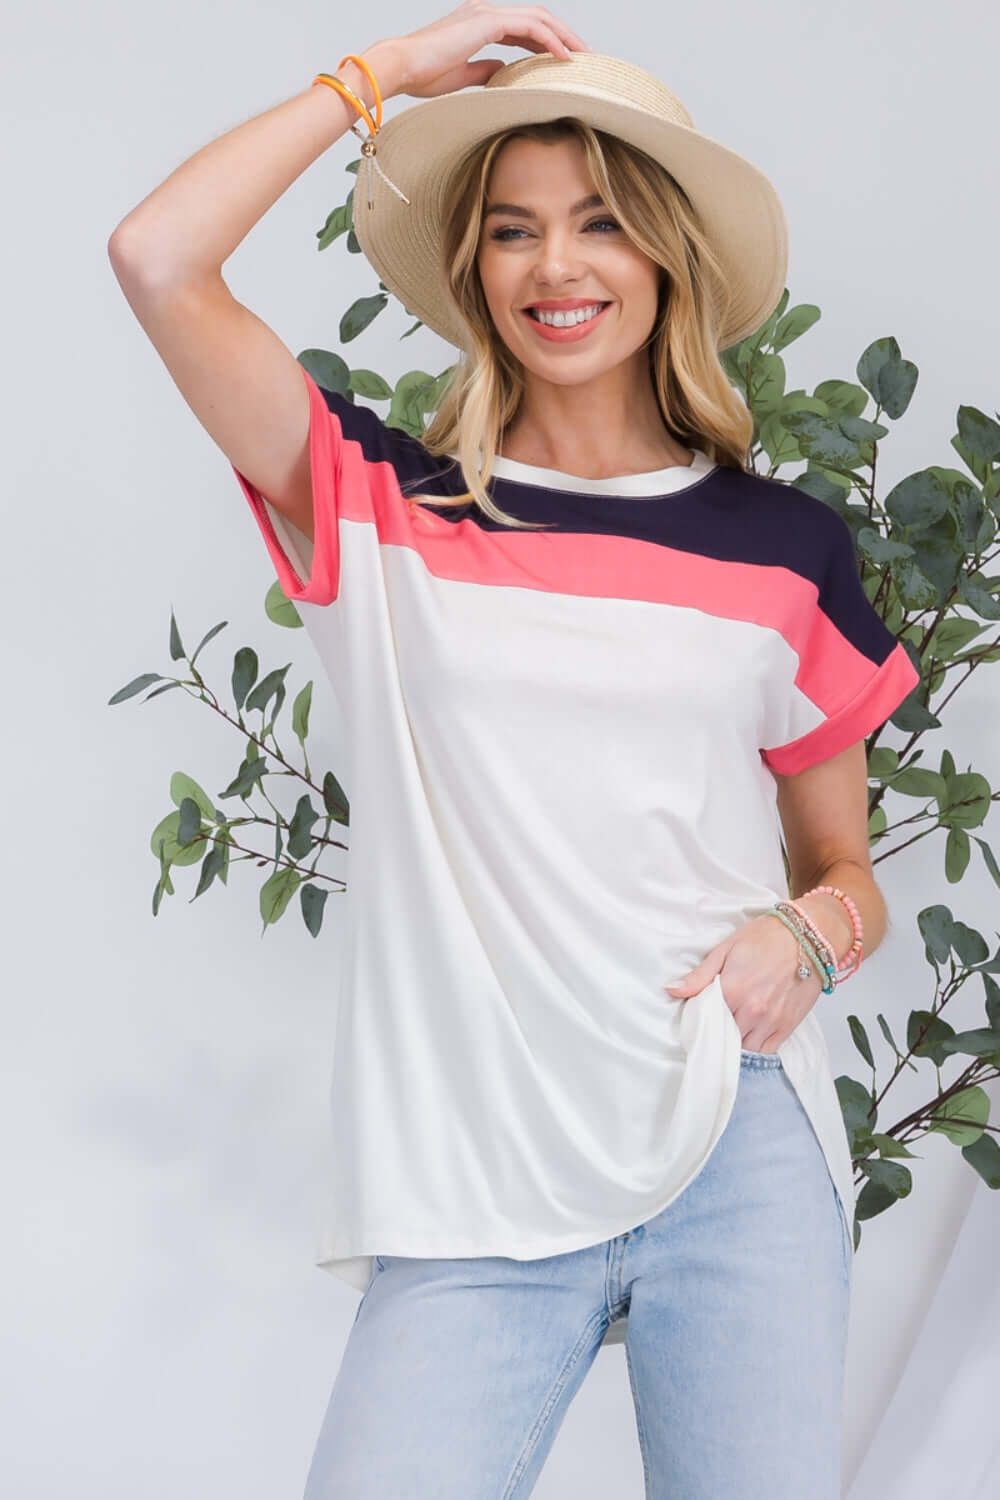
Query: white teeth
{"x":566,"y":320}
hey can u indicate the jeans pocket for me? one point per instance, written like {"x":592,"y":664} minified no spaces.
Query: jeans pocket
{"x":767,"y":1059}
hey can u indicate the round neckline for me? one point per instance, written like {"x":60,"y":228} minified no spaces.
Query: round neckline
{"x":646,"y":483}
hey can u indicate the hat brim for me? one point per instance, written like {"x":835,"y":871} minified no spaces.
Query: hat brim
{"x":420,"y":147}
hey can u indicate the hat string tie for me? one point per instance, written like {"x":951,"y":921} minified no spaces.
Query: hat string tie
{"x":367,"y":142}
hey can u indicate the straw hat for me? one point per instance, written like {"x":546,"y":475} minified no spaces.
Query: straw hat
{"x":414,"y":153}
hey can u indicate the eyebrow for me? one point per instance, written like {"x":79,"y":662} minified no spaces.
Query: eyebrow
{"x":593,"y":201}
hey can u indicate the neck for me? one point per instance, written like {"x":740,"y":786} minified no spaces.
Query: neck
{"x":599,"y":429}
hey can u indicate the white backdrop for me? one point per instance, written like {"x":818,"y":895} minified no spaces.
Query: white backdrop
{"x":165,"y":1080}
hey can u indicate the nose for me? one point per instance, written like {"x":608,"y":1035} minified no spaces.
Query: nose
{"x":558,"y":259}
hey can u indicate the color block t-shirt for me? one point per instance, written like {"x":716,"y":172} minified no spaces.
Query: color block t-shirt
{"x":559,"y":754}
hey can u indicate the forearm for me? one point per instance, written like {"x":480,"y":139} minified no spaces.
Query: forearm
{"x":832,"y":917}
{"x":190,"y":225}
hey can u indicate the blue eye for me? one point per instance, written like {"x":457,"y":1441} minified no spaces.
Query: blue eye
{"x":502,"y":234}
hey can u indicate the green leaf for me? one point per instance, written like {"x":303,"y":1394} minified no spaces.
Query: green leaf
{"x":247,"y":777}
{"x":951,"y":636}
{"x":918,"y":500}
{"x":842,"y":396}
{"x":919,"y":781}
{"x":915,"y":589}
{"x":861,"y":1041}
{"x":335,"y":799}
{"x":313,"y":899}
{"x":992,"y":997}
{"x":360,"y":314}
{"x":280,"y":609}
{"x":300,"y":840}
{"x":881,"y":549}
{"x":972,"y":1104}
{"x":165,"y":832}
{"x":980,"y":434}
{"x":338,"y":222}
{"x":857,"y":1106}
{"x":968,"y":801}
{"x":973,"y":590}
{"x":924,"y":1034}
{"x":936,"y":923}
{"x":893,"y":1178}
{"x":984,"y":1155}
{"x":956,"y":855}
{"x":777,"y":442}
{"x":797,"y":321}
{"x":221,"y":842}
{"x":135,"y":686}
{"x":182,"y":786}
{"x":832,"y":489}
{"x":300,"y":712}
{"x":189,"y":824}
{"x":989,"y":860}
{"x":968,"y":944}
{"x":270,"y":686}
{"x":767,"y":383}
{"x":176,"y":647}
{"x":889,"y":1146}
{"x":747,"y":348}
{"x":883,"y":762}
{"x":329,"y":370}
{"x":212,"y":865}
{"x":890,"y":378}
{"x":244,"y":675}
{"x":873,"y":1199}
{"x":206,"y":638}
{"x":983,"y":1041}
{"x":368,"y":383}
{"x":165,"y":689}
{"x":828,"y":441}
{"x":163,"y":886}
{"x":276,"y":892}
{"x":413,"y":390}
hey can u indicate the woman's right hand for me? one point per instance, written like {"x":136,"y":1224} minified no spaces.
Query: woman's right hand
{"x":435,"y":59}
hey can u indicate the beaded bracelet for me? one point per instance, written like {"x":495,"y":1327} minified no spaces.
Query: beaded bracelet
{"x":814,"y":945}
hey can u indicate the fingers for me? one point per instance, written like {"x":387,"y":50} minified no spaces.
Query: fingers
{"x":537,"y":29}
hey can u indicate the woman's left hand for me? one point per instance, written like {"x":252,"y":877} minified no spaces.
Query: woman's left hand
{"x":762,"y":988}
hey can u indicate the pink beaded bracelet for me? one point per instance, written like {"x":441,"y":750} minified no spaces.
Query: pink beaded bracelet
{"x":851,"y":961}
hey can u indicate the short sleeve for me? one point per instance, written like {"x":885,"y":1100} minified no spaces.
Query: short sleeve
{"x":850,"y":671}
{"x":354,"y":462}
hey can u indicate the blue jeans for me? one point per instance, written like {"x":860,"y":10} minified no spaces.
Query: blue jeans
{"x":457,"y":1373}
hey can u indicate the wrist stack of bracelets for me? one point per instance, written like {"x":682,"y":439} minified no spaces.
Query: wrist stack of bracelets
{"x":814,"y":947}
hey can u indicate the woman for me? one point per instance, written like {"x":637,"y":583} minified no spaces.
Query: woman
{"x":593,"y":668}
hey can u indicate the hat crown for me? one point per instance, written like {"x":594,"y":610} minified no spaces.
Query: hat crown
{"x":609,"y":78}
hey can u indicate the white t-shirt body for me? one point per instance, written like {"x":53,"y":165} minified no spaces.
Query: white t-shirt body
{"x":559,"y":753}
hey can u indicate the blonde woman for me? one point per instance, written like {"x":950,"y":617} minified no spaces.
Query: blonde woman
{"x":606,"y":692}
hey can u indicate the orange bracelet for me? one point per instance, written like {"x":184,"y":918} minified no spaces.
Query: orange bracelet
{"x":349,"y":94}
{"x":367,"y":146}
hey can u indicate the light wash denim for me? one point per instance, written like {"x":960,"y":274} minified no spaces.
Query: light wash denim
{"x":457,"y":1373}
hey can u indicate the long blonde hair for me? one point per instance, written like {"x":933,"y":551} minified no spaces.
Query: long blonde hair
{"x":699,"y":406}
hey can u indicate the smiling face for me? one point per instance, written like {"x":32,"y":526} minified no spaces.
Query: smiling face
{"x":543,"y":242}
